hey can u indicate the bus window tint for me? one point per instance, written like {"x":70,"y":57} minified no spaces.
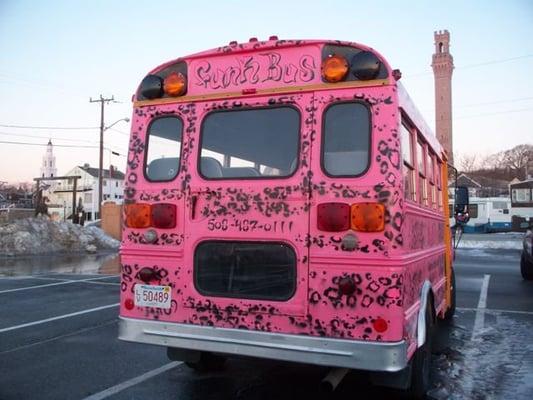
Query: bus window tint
{"x":345,"y":150}
{"x":472,"y":210}
{"x":164,"y":147}
{"x":422,"y":189}
{"x":408,"y":165}
{"x":249,"y":144}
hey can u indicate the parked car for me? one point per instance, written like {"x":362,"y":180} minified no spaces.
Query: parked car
{"x":526,"y":261}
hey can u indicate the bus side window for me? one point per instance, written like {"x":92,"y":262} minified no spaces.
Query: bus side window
{"x":408,"y":165}
{"x":163,"y":149}
{"x":438,"y":173}
{"x":432,"y":192}
{"x":421,"y":162}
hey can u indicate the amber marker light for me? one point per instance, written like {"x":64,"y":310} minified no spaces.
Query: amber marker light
{"x":334,"y":68}
{"x":175,"y":84}
{"x":137,"y":215}
{"x":368,"y":217}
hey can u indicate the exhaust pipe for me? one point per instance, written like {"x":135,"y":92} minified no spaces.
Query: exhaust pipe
{"x":332,"y":379}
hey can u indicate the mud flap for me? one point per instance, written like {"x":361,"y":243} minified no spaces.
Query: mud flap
{"x":396,"y":380}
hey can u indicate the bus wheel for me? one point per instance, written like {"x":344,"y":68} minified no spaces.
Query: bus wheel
{"x":448,"y":315}
{"x":421,"y":362}
{"x":208,"y":362}
{"x":526,"y":268}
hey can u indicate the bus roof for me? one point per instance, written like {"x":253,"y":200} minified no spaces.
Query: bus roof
{"x":272,"y":65}
{"x":407,"y":105}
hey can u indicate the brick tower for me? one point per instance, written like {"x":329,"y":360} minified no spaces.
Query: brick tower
{"x":442,"y":70}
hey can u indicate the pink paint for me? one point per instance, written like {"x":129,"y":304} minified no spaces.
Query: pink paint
{"x":387,"y":267}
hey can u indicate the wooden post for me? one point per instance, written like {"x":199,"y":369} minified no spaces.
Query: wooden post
{"x":74,"y":188}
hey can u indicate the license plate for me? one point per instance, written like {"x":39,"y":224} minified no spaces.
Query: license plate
{"x":152,"y":296}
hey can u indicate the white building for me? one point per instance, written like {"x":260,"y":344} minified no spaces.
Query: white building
{"x":48,"y":169}
{"x":87,"y":190}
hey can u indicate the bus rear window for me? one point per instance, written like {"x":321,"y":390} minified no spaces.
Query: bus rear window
{"x":248,"y":144}
{"x":164,"y":147}
{"x":248,"y":270}
{"x":346,"y":142}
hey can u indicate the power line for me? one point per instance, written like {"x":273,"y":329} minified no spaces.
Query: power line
{"x":48,"y":127}
{"x":495,"y":102}
{"x":55,"y":145}
{"x":47,"y":137}
{"x":33,"y":83}
{"x":503,"y":60}
{"x":59,"y":145}
{"x":483,"y":104}
{"x":495,"y":113}
{"x":117,"y":131}
{"x":468,"y":66}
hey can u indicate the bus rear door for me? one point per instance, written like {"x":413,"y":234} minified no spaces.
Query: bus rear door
{"x":247,"y":209}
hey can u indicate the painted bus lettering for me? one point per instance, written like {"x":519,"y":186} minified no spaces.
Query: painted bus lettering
{"x":250,"y":70}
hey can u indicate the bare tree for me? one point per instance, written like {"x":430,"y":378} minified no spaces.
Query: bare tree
{"x":493,"y":161}
{"x":467,"y":162}
{"x":517,"y":159}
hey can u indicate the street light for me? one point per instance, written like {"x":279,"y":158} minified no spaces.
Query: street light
{"x":100,"y":167}
{"x":126,"y":119}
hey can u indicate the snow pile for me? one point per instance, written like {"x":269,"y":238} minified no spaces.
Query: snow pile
{"x":491,"y":244}
{"x":495,"y":364}
{"x":43,"y":236}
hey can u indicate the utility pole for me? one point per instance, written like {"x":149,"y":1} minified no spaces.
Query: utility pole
{"x":102,"y":101}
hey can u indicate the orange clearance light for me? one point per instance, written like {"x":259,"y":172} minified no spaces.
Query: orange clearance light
{"x":368,"y":217}
{"x":175,"y":84}
{"x":137,"y":215}
{"x":334,"y":68}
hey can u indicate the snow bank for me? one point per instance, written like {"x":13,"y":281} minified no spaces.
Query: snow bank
{"x":42,"y":236}
{"x":491,"y":244}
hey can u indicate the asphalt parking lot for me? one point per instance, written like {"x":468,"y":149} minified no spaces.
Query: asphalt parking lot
{"x":58,"y":340}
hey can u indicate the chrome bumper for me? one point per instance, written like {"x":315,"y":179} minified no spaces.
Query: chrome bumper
{"x":371,"y":356}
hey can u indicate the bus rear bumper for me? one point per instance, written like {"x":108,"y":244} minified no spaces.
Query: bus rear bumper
{"x":354,"y":354}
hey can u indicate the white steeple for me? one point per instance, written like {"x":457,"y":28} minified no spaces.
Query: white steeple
{"x":48,"y":168}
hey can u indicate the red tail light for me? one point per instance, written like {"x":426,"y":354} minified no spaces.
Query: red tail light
{"x":164,"y":216}
{"x":129,"y":304}
{"x":380,"y":325}
{"x":333,"y":217}
{"x":141,"y":215}
{"x":362,"y":217}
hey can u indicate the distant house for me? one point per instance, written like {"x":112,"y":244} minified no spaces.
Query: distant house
{"x":474,"y":187}
{"x":87,"y":190}
{"x":481,"y":186}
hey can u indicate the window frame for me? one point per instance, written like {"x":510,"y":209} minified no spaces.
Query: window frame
{"x":251,"y":178}
{"x":438,"y":178}
{"x":432,"y":188}
{"x":207,"y":293}
{"x":411,"y":167}
{"x":323,"y":138}
{"x":422,"y":175}
{"x":147,"y":147}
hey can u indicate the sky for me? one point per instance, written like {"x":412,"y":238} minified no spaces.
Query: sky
{"x":56,"y":55}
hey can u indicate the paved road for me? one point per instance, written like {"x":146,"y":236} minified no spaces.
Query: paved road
{"x":58,"y":334}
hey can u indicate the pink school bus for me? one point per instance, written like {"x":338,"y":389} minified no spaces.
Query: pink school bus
{"x":285,"y":200}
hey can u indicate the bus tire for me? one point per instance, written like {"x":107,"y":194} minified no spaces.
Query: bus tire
{"x":421,"y":361}
{"x":450,"y":312}
{"x":526,"y":268}
{"x":208,"y":362}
